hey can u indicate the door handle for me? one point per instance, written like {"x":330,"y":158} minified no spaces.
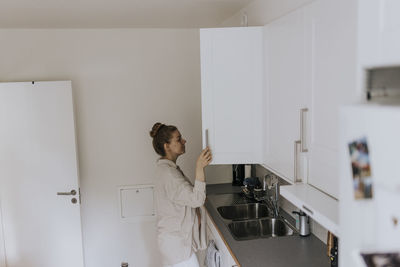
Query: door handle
{"x":72,"y":193}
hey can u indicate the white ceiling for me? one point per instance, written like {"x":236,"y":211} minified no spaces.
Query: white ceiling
{"x":116,"y":13}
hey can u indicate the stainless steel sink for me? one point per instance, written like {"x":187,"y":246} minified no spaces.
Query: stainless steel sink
{"x":275,"y":227}
{"x":243,"y":230}
{"x":244,"y":211}
{"x":264,"y":228}
{"x":248,"y":219}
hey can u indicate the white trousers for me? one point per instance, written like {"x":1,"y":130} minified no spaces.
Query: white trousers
{"x":191,"y":262}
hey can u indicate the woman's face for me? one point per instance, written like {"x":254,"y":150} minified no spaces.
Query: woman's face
{"x":176,"y":145}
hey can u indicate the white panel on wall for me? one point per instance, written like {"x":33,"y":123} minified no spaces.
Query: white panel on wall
{"x":136,"y":203}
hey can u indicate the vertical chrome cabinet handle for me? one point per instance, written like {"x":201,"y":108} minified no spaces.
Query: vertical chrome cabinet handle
{"x":302,"y":140}
{"x":206,"y":133}
{"x":295,"y":178}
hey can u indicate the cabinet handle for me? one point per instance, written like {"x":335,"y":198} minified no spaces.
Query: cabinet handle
{"x":302,"y":140}
{"x":206,"y":136}
{"x":296,"y":179}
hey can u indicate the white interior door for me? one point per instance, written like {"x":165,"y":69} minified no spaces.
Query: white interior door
{"x":37,"y":160}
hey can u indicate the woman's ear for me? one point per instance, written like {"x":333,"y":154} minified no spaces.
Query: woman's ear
{"x":166,"y":147}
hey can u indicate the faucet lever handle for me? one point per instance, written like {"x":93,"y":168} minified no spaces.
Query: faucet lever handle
{"x":300,"y":213}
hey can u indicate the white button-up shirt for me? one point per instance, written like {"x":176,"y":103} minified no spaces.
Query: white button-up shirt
{"x":176,"y":200}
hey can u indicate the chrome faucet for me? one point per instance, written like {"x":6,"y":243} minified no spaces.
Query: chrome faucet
{"x":270,"y":185}
{"x":274,"y":200}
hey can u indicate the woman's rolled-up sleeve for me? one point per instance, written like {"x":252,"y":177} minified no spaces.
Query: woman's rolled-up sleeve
{"x":181,"y":192}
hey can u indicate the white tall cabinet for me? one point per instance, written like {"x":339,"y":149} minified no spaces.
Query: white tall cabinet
{"x":232,"y":93}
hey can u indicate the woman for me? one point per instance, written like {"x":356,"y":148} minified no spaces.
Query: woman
{"x":177,"y":200}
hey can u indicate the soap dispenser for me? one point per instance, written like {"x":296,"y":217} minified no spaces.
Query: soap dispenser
{"x":304,"y":223}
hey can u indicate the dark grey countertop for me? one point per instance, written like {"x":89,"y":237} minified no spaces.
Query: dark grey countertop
{"x":289,"y":251}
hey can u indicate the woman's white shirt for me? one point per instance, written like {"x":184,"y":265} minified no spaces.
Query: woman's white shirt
{"x":176,"y":200}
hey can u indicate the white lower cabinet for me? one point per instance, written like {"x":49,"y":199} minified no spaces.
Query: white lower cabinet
{"x":227,"y":259}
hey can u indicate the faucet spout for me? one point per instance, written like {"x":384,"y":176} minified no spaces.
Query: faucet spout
{"x":276,"y":197}
{"x":272,"y":201}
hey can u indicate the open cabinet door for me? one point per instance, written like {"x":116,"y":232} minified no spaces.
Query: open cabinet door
{"x":232,"y":93}
{"x":39,"y":190}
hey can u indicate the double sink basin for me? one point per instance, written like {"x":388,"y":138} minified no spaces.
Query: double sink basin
{"x":250,"y":220}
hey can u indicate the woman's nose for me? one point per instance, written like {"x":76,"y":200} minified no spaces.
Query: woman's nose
{"x":184,"y":141}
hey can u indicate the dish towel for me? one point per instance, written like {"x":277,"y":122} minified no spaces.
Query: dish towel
{"x":213,"y":258}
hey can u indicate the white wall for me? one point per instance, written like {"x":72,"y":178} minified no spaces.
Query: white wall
{"x":261,"y":12}
{"x":123,"y":80}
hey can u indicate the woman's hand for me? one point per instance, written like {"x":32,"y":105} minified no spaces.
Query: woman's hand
{"x":204,"y":158}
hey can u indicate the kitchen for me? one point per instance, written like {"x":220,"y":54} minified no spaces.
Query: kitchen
{"x":119,"y":71}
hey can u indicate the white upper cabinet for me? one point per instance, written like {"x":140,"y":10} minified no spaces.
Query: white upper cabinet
{"x":332,"y":37}
{"x":379,"y":32}
{"x":232,"y":93}
{"x":311,"y":70}
{"x":285,"y":78}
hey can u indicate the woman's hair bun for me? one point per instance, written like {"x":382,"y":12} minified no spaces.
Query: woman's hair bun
{"x":155,"y":129}
{"x":161,"y":135}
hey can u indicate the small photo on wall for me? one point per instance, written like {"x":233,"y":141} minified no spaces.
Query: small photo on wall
{"x":361,"y":168}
